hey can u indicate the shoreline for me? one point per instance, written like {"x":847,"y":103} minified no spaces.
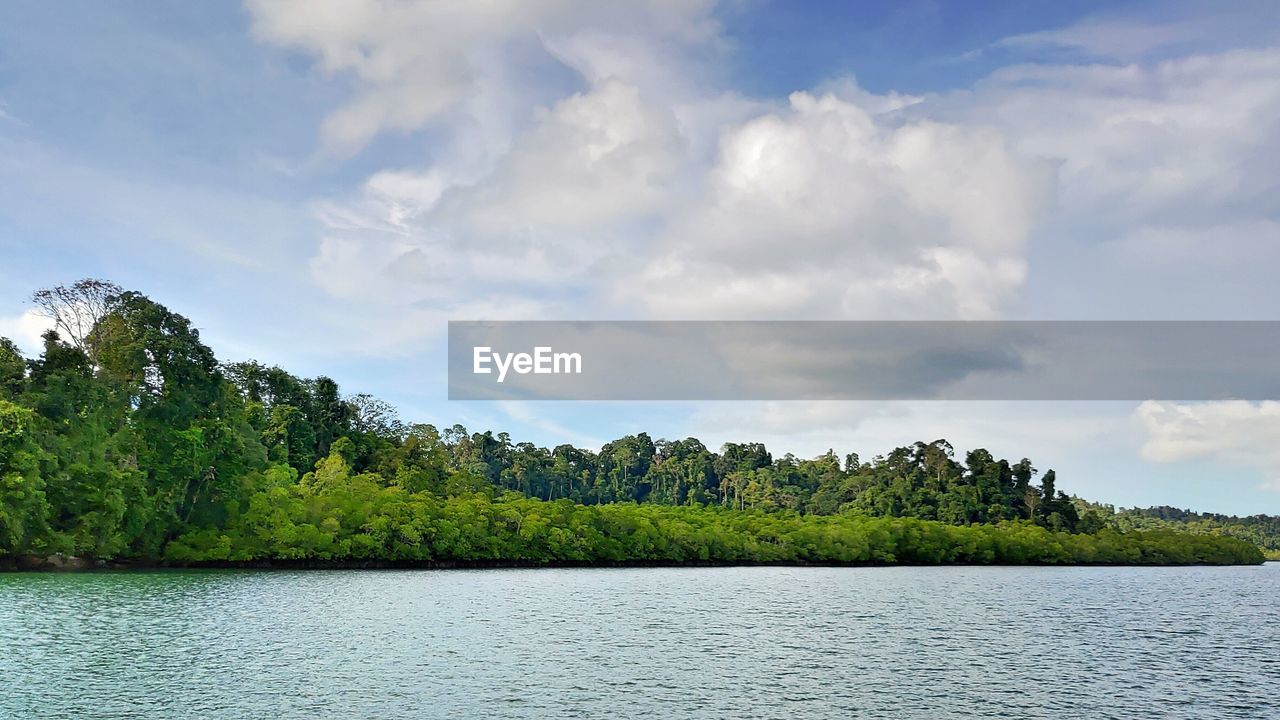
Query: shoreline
{"x":71,"y":564}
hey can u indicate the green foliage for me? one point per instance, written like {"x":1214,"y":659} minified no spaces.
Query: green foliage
{"x":13,"y":370}
{"x":24,"y":509}
{"x":130,"y":440}
{"x":334,"y":516}
{"x":1260,"y":530}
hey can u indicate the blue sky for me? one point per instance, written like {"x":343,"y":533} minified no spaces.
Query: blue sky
{"x":324,"y":185}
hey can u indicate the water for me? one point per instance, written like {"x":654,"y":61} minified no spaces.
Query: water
{"x":789,"y":643}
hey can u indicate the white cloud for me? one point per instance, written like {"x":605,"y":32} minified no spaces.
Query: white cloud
{"x":1236,"y":432}
{"x":554,"y":208}
{"x":418,"y":63}
{"x":594,"y":159}
{"x":804,"y":428}
{"x":1177,"y":26}
{"x":1062,"y":435}
{"x":648,"y":194}
{"x":1184,"y":140}
{"x":25,"y":330}
{"x":604,"y":197}
{"x":826,"y":209}
{"x":1164,"y":171}
{"x":1126,"y":39}
{"x":651,"y":193}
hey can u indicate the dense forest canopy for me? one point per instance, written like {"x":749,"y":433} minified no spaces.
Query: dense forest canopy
{"x":126,"y":438}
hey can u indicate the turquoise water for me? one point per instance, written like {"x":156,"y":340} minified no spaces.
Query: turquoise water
{"x":1198,"y":642}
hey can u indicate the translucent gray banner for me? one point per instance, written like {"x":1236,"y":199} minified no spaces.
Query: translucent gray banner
{"x":839,"y":360}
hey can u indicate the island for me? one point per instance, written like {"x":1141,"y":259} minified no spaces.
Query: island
{"x":127,"y":442}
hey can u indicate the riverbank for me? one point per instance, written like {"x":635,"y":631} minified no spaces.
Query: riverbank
{"x":78,"y":564}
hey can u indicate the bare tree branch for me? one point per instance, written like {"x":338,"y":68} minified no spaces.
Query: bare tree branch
{"x":76,"y":310}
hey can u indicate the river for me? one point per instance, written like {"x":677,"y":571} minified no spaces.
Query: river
{"x":763,"y":642}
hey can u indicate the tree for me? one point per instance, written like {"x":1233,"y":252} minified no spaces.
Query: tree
{"x":152,"y":447}
{"x":24,"y":510}
{"x":77,"y":309}
{"x":1055,"y":510}
{"x":13,"y":369}
{"x":371,"y":415}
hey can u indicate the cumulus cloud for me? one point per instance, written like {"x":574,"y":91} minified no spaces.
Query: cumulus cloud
{"x":1235,"y":432}
{"x":824,"y":208}
{"x":827,"y":209}
{"x":557,"y":208}
{"x":587,"y":161}
{"x":649,"y":192}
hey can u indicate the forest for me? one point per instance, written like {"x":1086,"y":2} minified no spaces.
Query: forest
{"x":126,"y":439}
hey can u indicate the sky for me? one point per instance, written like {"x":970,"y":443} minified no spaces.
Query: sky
{"x":323,"y":185}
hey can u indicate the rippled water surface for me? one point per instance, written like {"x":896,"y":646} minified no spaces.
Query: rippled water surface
{"x":665,"y":643}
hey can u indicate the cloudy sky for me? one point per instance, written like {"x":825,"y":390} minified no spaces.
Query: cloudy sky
{"x":322,"y":185}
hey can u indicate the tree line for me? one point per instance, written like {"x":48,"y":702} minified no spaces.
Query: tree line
{"x":127,"y":438}
{"x":1260,"y":530}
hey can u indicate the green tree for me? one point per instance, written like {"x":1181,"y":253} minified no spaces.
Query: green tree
{"x":13,"y":370}
{"x":24,"y":511}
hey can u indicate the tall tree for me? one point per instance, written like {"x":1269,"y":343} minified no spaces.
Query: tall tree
{"x":76,"y":310}
{"x":13,"y":369}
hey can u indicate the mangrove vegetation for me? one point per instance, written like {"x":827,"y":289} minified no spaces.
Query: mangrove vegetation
{"x":126,"y":439}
